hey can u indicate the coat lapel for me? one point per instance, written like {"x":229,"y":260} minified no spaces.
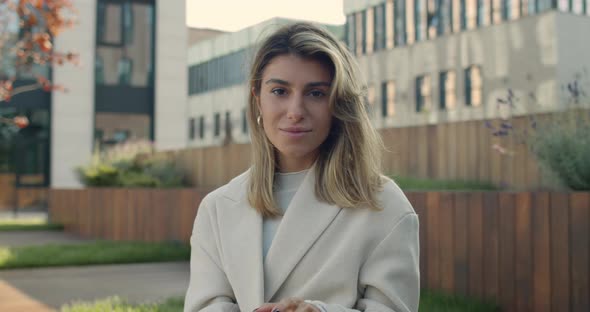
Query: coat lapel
{"x":304,"y":222}
{"x":244,"y":253}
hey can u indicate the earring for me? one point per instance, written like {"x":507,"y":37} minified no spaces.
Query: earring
{"x":258,"y":119}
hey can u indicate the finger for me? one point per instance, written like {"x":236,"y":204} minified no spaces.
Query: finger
{"x":267,"y":307}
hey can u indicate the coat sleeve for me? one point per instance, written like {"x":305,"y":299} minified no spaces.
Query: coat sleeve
{"x":208,"y":290}
{"x":391,"y":275}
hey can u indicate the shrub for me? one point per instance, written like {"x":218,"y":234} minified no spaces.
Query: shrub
{"x":559,"y":141}
{"x":132,"y":164}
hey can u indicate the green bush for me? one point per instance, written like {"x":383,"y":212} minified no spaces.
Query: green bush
{"x":132,"y":164}
{"x":562,"y":147}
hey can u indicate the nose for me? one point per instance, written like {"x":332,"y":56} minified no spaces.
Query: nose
{"x":296,"y":109}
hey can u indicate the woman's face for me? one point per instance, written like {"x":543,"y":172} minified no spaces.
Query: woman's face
{"x":295,"y":110}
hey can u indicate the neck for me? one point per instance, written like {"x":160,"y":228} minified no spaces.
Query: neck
{"x":291,"y":164}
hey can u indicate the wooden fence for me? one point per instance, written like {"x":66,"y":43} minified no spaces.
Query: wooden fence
{"x":447,"y":151}
{"x":526,"y":251}
{"x":26,"y":196}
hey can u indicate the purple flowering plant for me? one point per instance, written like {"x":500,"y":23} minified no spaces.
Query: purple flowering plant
{"x":560,"y":140}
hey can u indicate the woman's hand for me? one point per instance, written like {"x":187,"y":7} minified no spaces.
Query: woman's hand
{"x":288,"y":305}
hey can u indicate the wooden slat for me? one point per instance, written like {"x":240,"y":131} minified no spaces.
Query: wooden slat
{"x":475,"y":243}
{"x":446,"y":247}
{"x":433,"y":243}
{"x":461,"y":256}
{"x":524,"y":260}
{"x":507,"y":236}
{"x":491,"y":243}
{"x":542,"y":254}
{"x":580,"y":242}
{"x":560,"y":252}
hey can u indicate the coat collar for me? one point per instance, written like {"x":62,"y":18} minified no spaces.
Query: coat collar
{"x":304,"y":222}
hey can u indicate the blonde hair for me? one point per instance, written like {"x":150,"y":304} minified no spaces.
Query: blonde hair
{"x":348,"y":168}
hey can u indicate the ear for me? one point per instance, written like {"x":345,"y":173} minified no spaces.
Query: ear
{"x":256,"y":97}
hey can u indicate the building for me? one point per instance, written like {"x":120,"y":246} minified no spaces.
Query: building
{"x":131,"y":84}
{"x":429,"y":62}
{"x":218,"y":69}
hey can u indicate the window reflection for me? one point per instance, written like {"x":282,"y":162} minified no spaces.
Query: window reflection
{"x":124,"y":44}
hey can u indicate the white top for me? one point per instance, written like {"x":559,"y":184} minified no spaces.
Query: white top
{"x":285,"y":187}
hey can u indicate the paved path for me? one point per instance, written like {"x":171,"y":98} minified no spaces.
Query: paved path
{"x":47,"y":289}
{"x":54,"y":287}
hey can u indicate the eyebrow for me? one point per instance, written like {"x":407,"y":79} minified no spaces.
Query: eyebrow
{"x":311,"y":84}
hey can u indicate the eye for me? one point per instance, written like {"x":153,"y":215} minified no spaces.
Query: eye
{"x":316,"y":93}
{"x":278,"y":91}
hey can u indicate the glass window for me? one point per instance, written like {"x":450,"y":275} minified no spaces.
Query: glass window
{"x":350,"y":32}
{"x":359,"y":37}
{"x":110,"y":31}
{"x":369,"y":30}
{"x":419,"y":19}
{"x":448,"y":90}
{"x":388,"y":99}
{"x":432,"y":18}
{"x":389,"y":28}
{"x":496,"y":11}
{"x":128,"y":23}
{"x":423,"y":93}
{"x":577,"y":6}
{"x":201,"y":127}
{"x":400,"y":22}
{"x":191,"y":128}
{"x":473,"y":86}
{"x":471,"y":14}
{"x":125,"y":44}
{"x":379,"y":27}
{"x":125,"y":69}
{"x":217,"y":124}
{"x":463,"y":16}
{"x":456,"y":15}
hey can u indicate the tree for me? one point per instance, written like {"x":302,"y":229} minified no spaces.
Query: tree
{"x":27,"y":30}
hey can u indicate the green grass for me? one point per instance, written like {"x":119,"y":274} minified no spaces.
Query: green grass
{"x":100,"y":252}
{"x":116,"y":304}
{"x":414,"y":184}
{"x":429,"y":302}
{"x":28,"y":225}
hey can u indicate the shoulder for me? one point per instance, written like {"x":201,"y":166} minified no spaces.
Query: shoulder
{"x":234,"y":190}
{"x":393,"y":201}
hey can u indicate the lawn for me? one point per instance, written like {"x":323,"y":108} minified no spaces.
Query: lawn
{"x":93,"y":253}
{"x":28,"y":225}
{"x":429,"y":302}
{"x":415,"y":184}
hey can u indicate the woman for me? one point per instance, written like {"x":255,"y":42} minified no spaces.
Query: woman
{"x":312,"y":225}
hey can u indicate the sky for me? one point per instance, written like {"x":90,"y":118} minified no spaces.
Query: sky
{"x":233,"y":15}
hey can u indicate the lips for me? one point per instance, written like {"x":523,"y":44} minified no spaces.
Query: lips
{"x":296,"y":129}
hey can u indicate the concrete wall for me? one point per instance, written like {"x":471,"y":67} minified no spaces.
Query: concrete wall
{"x":573,"y":50}
{"x":171,"y":75}
{"x":72,"y":112}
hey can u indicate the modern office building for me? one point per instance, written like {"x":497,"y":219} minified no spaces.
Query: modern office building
{"x":218,"y":69}
{"x":430,"y":61}
{"x":131,"y":84}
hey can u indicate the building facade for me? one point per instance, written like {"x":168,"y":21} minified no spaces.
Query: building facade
{"x":428,"y":62}
{"x":131,"y":84}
